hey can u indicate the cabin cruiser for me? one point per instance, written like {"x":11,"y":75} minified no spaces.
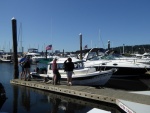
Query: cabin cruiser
{"x":133,"y":59}
{"x":81,"y":75}
{"x":146,"y":55}
{"x":34,"y":55}
{"x":126,"y":68}
{"x":6,"y":58}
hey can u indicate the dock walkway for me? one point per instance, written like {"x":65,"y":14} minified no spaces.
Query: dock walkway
{"x":109,"y":95}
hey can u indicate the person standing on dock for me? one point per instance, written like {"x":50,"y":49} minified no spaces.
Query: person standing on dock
{"x":55,"y":71}
{"x":27,"y":68}
{"x":21,"y":62}
{"x":69,"y":67}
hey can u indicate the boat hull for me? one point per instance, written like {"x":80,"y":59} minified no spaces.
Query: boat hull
{"x":97,"y":78}
{"x":125,"y":71}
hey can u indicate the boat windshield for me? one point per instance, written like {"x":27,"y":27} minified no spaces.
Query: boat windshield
{"x":105,"y":57}
{"x":108,"y":57}
{"x":37,"y":55}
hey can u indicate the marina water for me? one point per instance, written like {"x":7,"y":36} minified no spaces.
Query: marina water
{"x":21,"y":99}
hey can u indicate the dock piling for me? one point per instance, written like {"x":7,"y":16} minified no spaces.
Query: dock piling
{"x":15,"y":55}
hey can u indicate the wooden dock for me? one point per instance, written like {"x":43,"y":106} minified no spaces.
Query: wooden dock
{"x":105,"y":94}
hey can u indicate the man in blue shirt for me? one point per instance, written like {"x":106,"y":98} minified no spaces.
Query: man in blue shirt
{"x":21,"y":62}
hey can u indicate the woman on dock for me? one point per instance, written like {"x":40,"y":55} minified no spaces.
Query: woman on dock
{"x":55,"y":71}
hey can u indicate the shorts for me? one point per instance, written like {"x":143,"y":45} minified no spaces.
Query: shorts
{"x":69,"y":74}
{"x":55,"y":71}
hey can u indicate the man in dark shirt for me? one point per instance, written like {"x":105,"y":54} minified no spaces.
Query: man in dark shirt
{"x":69,"y":67}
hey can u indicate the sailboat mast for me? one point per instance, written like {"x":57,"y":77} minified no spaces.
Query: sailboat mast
{"x":20,"y":40}
{"x":99,"y":38}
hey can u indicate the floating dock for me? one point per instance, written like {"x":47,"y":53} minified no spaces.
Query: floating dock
{"x":129,"y":101}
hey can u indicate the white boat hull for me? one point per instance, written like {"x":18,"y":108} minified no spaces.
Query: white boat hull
{"x":97,"y":78}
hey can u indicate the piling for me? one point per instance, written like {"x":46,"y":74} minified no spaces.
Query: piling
{"x":15,"y":55}
{"x":63,"y":53}
{"x":108,"y":44}
{"x":46,"y":54}
{"x":80,"y":45}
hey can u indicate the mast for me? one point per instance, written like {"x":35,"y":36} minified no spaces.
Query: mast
{"x":21,"y":38}
{"x":99,"y":38}
{"x":20,"y":35}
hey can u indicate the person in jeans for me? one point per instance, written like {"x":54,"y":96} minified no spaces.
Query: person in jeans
{"x":27,"y":69}
{"x":69,"y":67}
{"x":21,"y":62}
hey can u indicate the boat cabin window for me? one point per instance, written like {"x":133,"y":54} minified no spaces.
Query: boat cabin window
{"x":60,"y":66}
{"x":32,"y":50}
{"x":146,"y":56}
{"x":37,"y":55}
{"x":78,"y":65}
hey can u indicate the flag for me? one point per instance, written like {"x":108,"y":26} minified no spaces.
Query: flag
{"x":49,"y":47}
{"x":85,"y":47}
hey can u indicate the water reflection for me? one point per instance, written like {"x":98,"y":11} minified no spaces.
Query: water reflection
{"x":63,"y":104}
{"x":21,"y":99}
{"x":58,"y":103}
{"x":2,"y":95}
{"x":72,"y":104}
{"x":55,"y":105}
{"x":25,"y":98}
{"x":15,"y":99}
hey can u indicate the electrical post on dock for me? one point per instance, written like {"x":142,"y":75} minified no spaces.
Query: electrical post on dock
{"x":15,"y":55}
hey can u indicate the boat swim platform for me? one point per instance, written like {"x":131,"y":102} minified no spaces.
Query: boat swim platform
{"x":125,"y":99}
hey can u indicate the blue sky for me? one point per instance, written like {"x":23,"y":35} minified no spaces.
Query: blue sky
{"x":59,"y":22}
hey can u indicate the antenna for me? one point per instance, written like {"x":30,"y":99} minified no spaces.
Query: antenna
{"x":144,"y":48}
{"x":20,"y":33}
{"x":21,"y":39}
{"x":100,"y":39}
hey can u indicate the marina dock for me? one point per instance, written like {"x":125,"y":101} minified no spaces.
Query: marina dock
{"x":125,"y":99}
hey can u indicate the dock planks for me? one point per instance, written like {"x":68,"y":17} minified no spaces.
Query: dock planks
{"x":108,"y":95}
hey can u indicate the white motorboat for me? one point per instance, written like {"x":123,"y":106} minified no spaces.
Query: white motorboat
{"x":81,"y":75}
{"x":126,"y":68}
{"x":34,"y":55}
{"x":143,"y":59}
{"x":146,"y":55}
{"x":140,"y":58}
{"x":6,"y":58}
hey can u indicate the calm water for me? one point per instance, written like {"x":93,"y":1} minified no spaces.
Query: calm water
{"x":22,"y":99}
